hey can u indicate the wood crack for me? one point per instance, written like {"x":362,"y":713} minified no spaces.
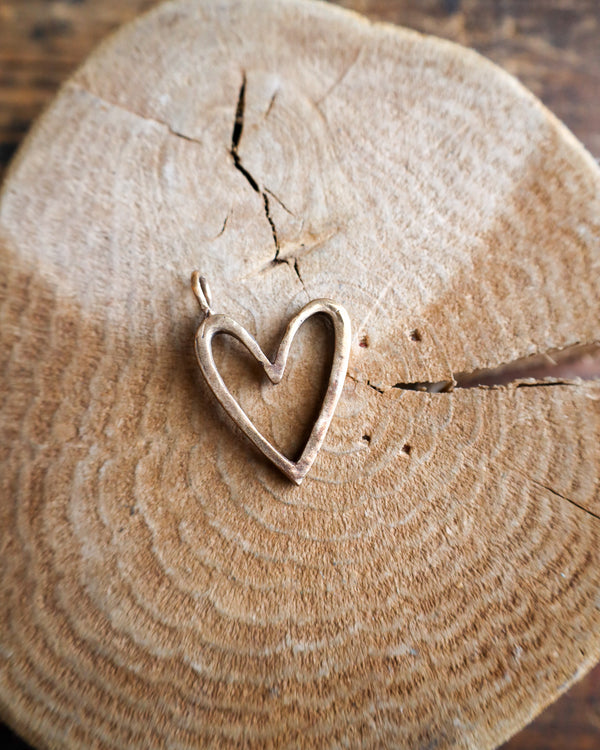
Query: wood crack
{"x":318,"y":102}
{"x":236,"y":136}
{"x":238,"y":128}
{"x":146,"y":118}
{"x":278,"y":199}
{"x":564,"y":497}
{"x":560,"y":367}
{"x":449,"y":386}
{"x":564,"y":366}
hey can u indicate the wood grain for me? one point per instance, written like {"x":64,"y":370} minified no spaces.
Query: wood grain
{"x":436,"y":581}
{"x":550,"y":45}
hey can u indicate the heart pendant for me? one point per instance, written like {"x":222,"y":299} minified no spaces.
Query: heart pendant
{"x":223,"y":324}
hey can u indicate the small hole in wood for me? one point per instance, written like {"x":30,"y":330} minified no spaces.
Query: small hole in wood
{"x":414,"y":335}
{"x":367,"y":439}
{"x":406,"y":448}
{"x":364,"y":341}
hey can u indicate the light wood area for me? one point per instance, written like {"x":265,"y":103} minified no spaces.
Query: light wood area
{"x":435,"y":581}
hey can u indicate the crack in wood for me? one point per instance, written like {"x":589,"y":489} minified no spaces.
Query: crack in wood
{"x":236,"y":136}
{"x":553,"y":367}
{"x":564,"y":497}
{"x":115,"y":105}
{"x":521,"y":373}
{"x":318,"y":102}
{"x":278,"y":199}
{"x":560,"y":367}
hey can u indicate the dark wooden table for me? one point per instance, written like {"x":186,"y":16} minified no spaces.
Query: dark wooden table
{"x":552,"y":46}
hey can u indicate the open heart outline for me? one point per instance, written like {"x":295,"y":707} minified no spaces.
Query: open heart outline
{"x":213,"y":325}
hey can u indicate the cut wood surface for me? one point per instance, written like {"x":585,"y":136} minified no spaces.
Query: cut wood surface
{"x":550,"y":45}
{"x":435,"y":581}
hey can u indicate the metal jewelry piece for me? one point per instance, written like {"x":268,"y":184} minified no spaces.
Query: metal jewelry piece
{"x":216,"y":324}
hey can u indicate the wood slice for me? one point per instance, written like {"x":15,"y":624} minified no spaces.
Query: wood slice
{"x":435,"y":581}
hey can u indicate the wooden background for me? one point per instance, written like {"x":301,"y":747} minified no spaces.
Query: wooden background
{"x":552,"y":46}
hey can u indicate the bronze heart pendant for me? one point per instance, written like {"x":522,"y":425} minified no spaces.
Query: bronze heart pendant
{"x":223,"y":324}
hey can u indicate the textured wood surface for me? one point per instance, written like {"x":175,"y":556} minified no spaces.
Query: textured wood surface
{"x":551,"y":45}
{"x":445,"y":586}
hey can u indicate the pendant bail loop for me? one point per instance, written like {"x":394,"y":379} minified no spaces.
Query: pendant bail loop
{"x":201,"y":289}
